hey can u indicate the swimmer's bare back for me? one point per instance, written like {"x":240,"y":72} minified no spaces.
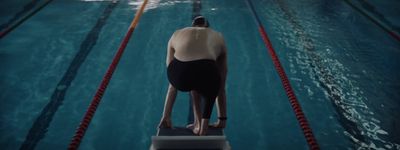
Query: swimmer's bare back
{"x":195,"y":43}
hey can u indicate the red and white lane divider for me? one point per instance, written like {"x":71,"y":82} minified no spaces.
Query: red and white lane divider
{"x":301,"y":118}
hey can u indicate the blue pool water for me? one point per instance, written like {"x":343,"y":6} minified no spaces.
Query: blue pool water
{"x":343,"y":67}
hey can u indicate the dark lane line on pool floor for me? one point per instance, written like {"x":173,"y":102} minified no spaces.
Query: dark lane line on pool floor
{"x":22,"y":20}
{"x":196,"y":8}
{"x":19,"y":14}
{"x":383,"y":26}
{"x":42,"y":122}
{"x":372,"y":9}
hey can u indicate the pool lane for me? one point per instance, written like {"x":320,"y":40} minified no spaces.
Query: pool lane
{"x":327,"y":46}
{"x":261,"y":116}
{"x":40,"y":126}
{"x":132,"y":106}
{"x":34,"y":58}
{"x":326,"y":78}
{"x":294,"y":102}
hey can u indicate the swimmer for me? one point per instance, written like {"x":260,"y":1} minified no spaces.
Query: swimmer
{"x":197,"y":62}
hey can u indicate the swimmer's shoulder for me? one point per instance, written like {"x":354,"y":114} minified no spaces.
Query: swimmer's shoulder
{"x":182,"y":31}
{"x":189,"y":30}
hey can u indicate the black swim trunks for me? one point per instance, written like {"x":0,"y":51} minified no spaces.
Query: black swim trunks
{"x":200,"y":75}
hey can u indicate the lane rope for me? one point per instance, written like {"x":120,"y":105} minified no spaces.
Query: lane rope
{"x":80,"y":132}
{"x":301,"y":118}
{"x":9,"y":29}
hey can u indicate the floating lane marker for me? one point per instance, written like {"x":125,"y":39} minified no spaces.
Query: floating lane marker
{"x":301,"y":118}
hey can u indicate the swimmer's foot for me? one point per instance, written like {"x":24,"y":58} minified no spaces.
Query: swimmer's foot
{"x":196,"y":130}
{"x":203,"y":127}
{"x":165,"y":123}
{"x":194,"y":127}
{"x":190,"y":126}
{"x":219,"y":124}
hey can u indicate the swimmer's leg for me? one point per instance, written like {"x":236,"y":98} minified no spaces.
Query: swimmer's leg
{"x":196,"y":110}
{"x":209,"y":103}
{"x":221,"y":107}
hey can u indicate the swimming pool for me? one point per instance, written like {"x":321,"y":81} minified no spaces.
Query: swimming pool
{"x":342,"y":66}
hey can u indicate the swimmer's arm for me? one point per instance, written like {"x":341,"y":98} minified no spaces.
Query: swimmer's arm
{"x":222,"y":63}
{"x":169,"y":101}
{"x":223,"y":67}
{"x":172,"y":91}
{"x":170,"y":50}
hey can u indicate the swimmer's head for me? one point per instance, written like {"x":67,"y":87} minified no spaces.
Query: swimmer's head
{"x":200,"y":21}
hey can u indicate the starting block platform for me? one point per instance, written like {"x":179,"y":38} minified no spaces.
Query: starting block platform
{"x":179,"y":138}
